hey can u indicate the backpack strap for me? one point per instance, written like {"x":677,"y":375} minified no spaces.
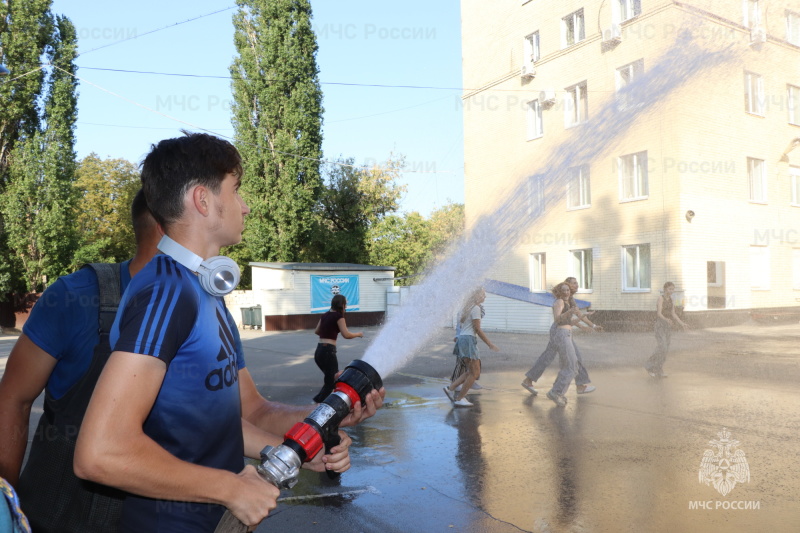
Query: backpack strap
{"x":108,"y":281}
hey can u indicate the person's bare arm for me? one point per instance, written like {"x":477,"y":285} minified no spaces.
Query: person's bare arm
{"x":316,"y":330}
{"x":278,"y":418}
{"x":476,"y":325}
{"x":347,"y":334}
{"x":112,"y":448}
{"x":26,"y":373}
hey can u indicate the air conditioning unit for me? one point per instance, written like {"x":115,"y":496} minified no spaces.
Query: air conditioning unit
{"x":528,"y":71}
{"x":758,"y":34}
{"x":548,"y":96}
{"x":612,"y":34}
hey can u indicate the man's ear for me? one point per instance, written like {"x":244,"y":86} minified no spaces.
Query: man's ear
{"x":200,"y":199}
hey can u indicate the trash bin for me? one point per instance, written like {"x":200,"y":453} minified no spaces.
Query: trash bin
{"x":251,"y":316}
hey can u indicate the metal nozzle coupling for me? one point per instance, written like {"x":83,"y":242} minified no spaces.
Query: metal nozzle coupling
{"x":280,"y":465}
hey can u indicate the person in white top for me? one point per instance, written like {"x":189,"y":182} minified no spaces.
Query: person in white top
{"x":467,"y":345}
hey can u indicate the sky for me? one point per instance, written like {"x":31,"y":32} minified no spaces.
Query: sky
{"x":390,"y":74}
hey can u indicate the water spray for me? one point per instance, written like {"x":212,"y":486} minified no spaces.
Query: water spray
{"x":280,"y":465}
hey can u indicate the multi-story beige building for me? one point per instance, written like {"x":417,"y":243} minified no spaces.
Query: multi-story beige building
{"x":702,"y":189}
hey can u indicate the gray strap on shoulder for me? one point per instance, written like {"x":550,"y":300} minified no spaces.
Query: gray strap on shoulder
{"x":108,"y":281}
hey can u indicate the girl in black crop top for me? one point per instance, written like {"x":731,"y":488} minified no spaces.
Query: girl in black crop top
{"x":328,"y":328}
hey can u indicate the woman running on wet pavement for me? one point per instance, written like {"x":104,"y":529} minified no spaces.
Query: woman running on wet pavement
{"x":467,"y":346}
{"x":564,"y":316}
{"x":582,"y":381}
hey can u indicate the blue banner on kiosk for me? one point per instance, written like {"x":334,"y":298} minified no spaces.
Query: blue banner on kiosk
{"x":323,"y":288}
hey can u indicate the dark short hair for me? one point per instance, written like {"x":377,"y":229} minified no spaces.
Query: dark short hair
{"x":141,"y":217}
{"x":175,"y":165}
{"x":338,"y":303}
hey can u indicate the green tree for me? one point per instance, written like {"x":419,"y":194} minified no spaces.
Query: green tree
{"x":38,"y":199}
{"x":105,"y":188}
{"x":447,"y":228}
{"x":353,"y":200}
{"x":277,"y":118}
{"x":25,"y":31}
{"x":412,"y":244}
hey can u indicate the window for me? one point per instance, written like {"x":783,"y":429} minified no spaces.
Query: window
{"x":581,"y":268}
{"x":536,"y":195}
{"x":793,"y":28}
{"x":758,"y":180}
{"x":793,"y":103}
{"x":576,"y":105}
{"x":636,"y":267}
{"x":796,"y":268}
{"x":714,"y":276}
{"x":627,"y":9}
{"x":625,"y":76}
{"x":633,"y":177}
{"x":753,"y":93}
{"x":578,"y":190}
{"x":572,"y":30}
{"x":535,"y":129}
{"x":537,"y":264}
{"x":759,"y":268}
{"x":794,"y":181}
{"x":752,"y":15}
{"x":530,"y":49}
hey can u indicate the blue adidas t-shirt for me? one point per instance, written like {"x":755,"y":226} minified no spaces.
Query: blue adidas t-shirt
{"x":64,"y":323}
{"x":165,"y":313}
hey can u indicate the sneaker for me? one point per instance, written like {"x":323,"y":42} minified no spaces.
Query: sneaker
{"x":449,"y":394}
{"x":560,"y":400}
{"x":651,"y":373}
{"x":457,"y":389}
{"x":529,"y":388}
{"x":476,"y":386}
{"x":586,"y":389}
{"x":463,"y":402}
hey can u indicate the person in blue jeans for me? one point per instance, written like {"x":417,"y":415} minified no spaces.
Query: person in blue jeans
{"x":564,"y":316}
{"x":582,"y":381}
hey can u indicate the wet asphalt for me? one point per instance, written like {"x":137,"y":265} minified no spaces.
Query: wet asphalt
{"x":625,"y":458}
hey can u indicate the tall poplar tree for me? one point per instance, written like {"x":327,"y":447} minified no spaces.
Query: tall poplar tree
{"x":277,"y":117}
{"x":37,"y":157}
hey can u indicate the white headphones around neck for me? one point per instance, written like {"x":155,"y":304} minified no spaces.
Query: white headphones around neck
{"x":218,"y":275}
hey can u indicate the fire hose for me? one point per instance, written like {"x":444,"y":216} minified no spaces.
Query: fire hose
{"x":280,"y":465}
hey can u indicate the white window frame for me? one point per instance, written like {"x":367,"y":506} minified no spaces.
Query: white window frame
{"x":796,"y":269}
{"x":754,"y":93}
{"x":536,"y":195}
{"x":533,"y":116}
{"x":793,"y":27}
{"x":638,"y":257}
{"x":579,"y":188}
{"x":794,"y":183}
{"x":638,"y":181}
{"x":537,"y":267}
{"x":576,"y":105}
{"x":624,"y":76}
{"x":625,"y":10}
{"x":757,"y":180}
{"x":581,"y":268}
{"x":576,"y":20}
{"x":759,"y":268}
{"x":751,"y":13}
{"x":793,"y":103}
{"x":531,"y":53}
